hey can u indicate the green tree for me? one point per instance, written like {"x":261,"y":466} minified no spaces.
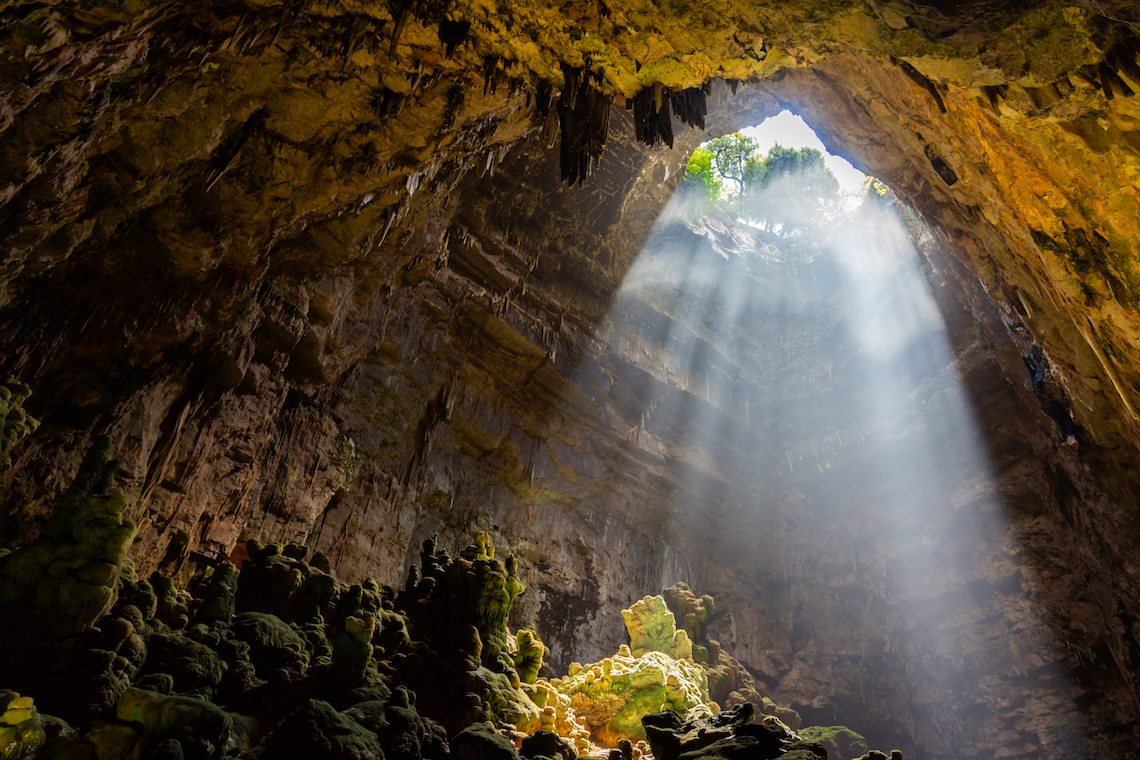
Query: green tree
{"x":789,"y":191}
{"x":700,"y":177}
{"x":730,"y":156}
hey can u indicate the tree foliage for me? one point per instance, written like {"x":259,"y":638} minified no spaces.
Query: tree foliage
{"x":789,"y":190}
{"x":730,"y":156}
{"x":700,"y":177}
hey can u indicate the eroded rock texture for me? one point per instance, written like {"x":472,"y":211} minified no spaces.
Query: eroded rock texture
{"x":315,"y":268}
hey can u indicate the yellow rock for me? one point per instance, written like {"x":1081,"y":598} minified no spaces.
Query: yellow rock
{"x":15,"y":717}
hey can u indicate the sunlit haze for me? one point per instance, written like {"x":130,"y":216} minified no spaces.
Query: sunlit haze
{"x":806,"y":397}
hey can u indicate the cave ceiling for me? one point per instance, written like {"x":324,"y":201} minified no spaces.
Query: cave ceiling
{"x":340,"y":272}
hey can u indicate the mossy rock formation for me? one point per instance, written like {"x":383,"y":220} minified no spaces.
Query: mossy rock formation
{"x":57,"y":586}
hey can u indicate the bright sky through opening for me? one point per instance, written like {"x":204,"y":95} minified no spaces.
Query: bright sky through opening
{"x":790,"y":131}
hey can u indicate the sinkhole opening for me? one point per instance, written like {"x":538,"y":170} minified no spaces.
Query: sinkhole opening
{"x":780,"y":343}
{"x":786,"y":350}
{"x":734,"y":166}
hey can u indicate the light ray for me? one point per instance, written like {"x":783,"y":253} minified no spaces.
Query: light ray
{"x":807,"y":394}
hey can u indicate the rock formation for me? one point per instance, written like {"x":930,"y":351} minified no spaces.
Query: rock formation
{"x":280,"y":660}
{"x":317,"y":271}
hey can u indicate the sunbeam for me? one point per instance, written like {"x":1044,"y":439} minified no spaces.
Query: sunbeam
{"x":809,"y":395}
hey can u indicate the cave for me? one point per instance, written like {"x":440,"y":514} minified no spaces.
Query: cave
{"x":343,"y":285}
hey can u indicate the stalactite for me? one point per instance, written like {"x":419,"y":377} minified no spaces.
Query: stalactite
{"x":437,"y":411}
{"x":1111,"y":82}
{"x":917,"y":77}
{"x":691,"y":106}
{"x":1123,"y":59}
{"x":452,"y":34}
{"x":994,"y":96}
{"x":353,"y":36}
{"x":227,"y":155}
{"x":542,"y":93}
{"x":491,"y":74}
{"x":651,"y":125}
{"x":455,"y":98}
{"x":387,"y":103}
{"x":584,"y":117}
{"x":400,"y":9}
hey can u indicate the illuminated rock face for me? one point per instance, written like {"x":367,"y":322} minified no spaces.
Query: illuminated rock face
{"x":326,"y":288}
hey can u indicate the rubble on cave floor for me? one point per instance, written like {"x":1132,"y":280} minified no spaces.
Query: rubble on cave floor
{"x":278,"y":659}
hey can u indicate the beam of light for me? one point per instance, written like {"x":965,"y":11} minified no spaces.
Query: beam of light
{"x":818,"y":389}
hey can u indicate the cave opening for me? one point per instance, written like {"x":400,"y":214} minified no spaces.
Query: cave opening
{"x":809,"y":395}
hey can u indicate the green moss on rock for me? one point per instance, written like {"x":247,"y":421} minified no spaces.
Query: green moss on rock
{"x":652,"y":628}
{"x":193,"y":667}
{"x":613,"y":695}
{"x":317,"y":730}
{"x":15,"y":423}
{"x":528,"y":654}
{"x":60,"y":584}
{"x":21,"y":729}
{"x":218,"y":606}
{"x":840,"y":742}
{"x":164,"y":717}
{"x":276,"y":649}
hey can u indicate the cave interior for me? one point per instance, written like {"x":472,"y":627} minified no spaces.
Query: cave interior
{"x":367,"y":369}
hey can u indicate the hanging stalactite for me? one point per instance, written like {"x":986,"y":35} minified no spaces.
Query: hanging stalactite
{"x":584,"y":118}
{"x":652,"y":122}
{"x":691,"y":105}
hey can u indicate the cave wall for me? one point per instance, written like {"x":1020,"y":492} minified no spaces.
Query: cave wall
{"x":318,"y":276}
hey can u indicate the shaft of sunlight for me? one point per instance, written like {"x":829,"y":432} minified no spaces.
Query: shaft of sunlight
{"x":804,"y":395}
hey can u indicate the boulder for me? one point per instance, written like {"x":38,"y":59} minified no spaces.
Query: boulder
{"x":547,"y":744}
{"x":193,"y":667}
{"x":480,"y":741}
{"x":396,"y":724}
{"x":200,"y":728}
{"x":840,"y":742}
{"x":316,"y":730}
{"x":276,"y":649}
{"x":21,"y":729}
